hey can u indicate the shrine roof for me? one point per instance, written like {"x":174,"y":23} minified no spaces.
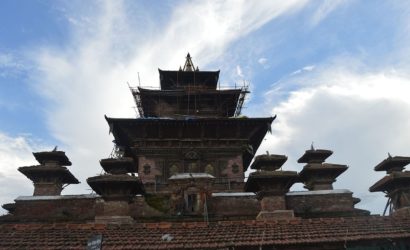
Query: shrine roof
{"x":315,"y":155}
{"x":171,"y":79}
{"x":57,"y":156}
{"x":118,"y":165}
{"x":109,"y":185}
{"x":166,"y":120}
{"x":393,"y":163}
{"x":392,"y":181}
{"x":32,"y":172}
{"x":285,"y":178}
{"x":198,"y":235}
{"x":271,"y":162}
{"x":192,"y":91}
{"x":328,"y":168}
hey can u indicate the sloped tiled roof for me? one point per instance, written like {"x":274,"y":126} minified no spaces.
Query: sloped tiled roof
{"x":194,"y":235}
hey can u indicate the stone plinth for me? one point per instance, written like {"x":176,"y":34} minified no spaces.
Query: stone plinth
{"x":323,"y":203}
{"x":113,"y":212}
{"x":272,"y":202}
{"x":49,"y":177}
{"x":44,"y":188}
{"x":318,"y":176}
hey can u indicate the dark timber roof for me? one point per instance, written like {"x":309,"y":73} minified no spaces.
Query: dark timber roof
{"x":127,"y":131}
{"x":180,"y":79}
{"x":188,"y":102}
{"x":391,"y":182}
{"x":391,"y":163}
{"x":35,"y":172}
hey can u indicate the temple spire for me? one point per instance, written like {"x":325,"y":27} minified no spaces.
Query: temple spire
{"x":189,"y":65}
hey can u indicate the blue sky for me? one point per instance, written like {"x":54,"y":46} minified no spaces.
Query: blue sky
{"x":336,"y":72}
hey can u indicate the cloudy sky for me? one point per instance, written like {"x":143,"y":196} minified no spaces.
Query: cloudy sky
{"x":335,"y":72}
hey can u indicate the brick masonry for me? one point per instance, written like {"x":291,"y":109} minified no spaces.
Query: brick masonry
{"x":85,"y":209}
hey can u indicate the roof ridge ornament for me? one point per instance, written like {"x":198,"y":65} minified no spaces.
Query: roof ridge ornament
{"x":189,"y":65}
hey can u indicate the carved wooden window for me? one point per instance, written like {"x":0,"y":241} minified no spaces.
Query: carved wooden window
{"x":235,"y":168}
{"x":209,"y":169}
{"x":147,"y":169}
{"x":191,"y":155}
{"x":174,"y":169}
{"x":193,"y":167}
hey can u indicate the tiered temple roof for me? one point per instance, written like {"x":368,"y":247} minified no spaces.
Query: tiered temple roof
{"x":396,"y":184}
{"x":189,"y":92}
{"x":50,"y":176}
{"x":317,"y":175}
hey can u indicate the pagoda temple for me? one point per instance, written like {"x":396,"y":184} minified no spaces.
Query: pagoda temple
{"x":190,"y":126}
{"x":178,"y":178}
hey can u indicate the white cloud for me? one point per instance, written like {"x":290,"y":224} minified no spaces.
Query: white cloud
{"x":309,"y":68}
{"x":10,"y":65}
{"x":262,"y":60}
{"x":239,"y":71}
{"x":360,"y":116}
{"x":87,"y":78}
{"x":325,"y":8}
{"x":304,"y":69}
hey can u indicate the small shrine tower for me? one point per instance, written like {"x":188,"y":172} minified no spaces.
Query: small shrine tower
{"x":270,"y":185}
{"x":51,"y":175}
{"x":317,"y":175}
{"x":396,"y":184}
{"x":117,"y":190}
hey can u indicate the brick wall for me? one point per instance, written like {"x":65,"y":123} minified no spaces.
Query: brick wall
{"x":50,"y":188}
{"x":55,"y":210}
{"x":320,"y":203}
{"x":234,"y":206}
{"x":158,"y":206}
